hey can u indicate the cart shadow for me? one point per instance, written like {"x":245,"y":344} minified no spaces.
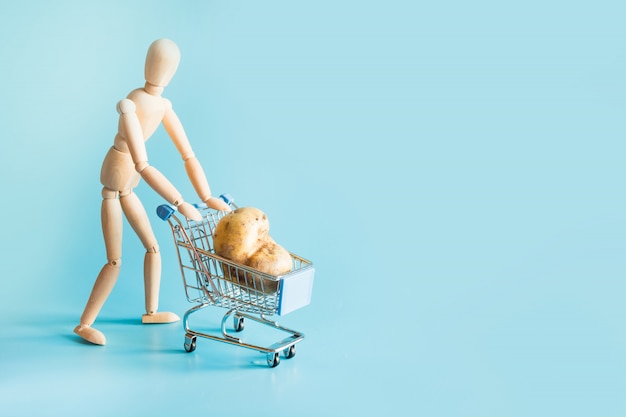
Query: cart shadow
{"x":212,"y":361}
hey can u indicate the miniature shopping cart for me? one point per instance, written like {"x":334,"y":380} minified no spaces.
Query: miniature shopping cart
{"x":246,"y":293}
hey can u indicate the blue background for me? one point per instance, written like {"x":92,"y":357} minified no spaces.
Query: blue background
{"x":454,"y":170}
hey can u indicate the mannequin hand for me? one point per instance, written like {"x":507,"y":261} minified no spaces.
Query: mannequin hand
{"x":217,"y":204}
{"x":189,"y":211}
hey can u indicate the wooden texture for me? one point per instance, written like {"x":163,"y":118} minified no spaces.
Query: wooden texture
{"x":124,"y":165}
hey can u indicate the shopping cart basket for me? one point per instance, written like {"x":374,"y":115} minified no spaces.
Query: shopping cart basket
{"x":246,"y":293}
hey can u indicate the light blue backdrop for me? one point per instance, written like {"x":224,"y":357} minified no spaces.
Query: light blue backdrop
{"x":454,"y":170}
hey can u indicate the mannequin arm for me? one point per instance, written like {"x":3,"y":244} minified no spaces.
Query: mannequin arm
{"x":132,"y":132}
{"x":196,"y":174}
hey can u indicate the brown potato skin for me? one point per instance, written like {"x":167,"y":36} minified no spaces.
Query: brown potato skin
{"x":240,"y":233}
{"x":270,"y":258}
{"x":242,"y":236}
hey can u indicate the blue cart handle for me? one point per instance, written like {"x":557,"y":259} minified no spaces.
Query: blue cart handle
{"x":165,"y":211}
{"x":228,"y":199}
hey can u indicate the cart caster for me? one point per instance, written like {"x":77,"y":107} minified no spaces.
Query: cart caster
{"x":238,"y":323}
{"x":190,"y":343}
{"x":273,"y":359}
{"x":290,"y":352}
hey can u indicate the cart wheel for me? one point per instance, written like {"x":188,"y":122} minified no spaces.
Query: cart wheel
{"x":290,"y":352}
{"x":273,"y":359}
{"x":238,"y":323}
{"x":190,"y":343}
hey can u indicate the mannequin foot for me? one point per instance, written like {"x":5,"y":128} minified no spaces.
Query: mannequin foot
{"x":160,"y":317}
{"x":90,"y":334}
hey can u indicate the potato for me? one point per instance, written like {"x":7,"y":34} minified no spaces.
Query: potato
{"x":242,"y":236}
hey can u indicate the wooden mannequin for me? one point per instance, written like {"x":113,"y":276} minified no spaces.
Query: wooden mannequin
{"x":123,"y":167}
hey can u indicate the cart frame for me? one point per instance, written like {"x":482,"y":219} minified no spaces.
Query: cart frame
{"x":246,"y":293}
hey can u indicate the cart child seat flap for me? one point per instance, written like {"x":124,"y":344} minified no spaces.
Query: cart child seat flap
{"x":296,"y":289}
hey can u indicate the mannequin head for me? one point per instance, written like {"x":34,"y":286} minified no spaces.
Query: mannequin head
{"x":161,"y":62}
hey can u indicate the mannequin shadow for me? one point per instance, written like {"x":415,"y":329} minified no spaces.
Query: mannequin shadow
{"x":132,"y":321}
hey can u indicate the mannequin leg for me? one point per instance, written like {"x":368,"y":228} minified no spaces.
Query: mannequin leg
{"x":111,"y":214}
{"x":138,"y":219}
{"x":152,"y":280}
